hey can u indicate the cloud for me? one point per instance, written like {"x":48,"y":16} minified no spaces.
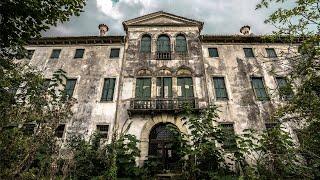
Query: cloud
{"x":219,"y":16}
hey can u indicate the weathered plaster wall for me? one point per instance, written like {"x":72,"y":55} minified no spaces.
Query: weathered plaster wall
{"x":90,"y":72}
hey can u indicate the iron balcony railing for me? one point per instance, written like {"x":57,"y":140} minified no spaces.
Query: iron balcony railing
{"x":163,"y":55}
{"x":164,"y":104}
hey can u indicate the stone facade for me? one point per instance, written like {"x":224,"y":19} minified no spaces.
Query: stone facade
{"x":241,"y":108}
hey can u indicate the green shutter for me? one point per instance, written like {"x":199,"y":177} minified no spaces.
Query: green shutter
{"x":70,"y":87}
{"x":181,"y":44}
{"x":163,"y":44}
{"x":258,"y":86}
{"x":111,"y":89}
{"x":146,"y":87}
{"x":139,"y":82}
{"x":189,"y":83}
{"x":146,"y":44}
{"x":167,"y":81}
{"x":220,"y":88}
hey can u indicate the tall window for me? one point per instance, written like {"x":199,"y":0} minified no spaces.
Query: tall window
{"x":114,"y":53}
{"x":248,"y":52}
{"x":285,"y":90}
{"x":70,"y":85}
{"x":213,"y":52}
{"x":163,"y":44}
{"x":229,"y":142}
{"x":79,"y":53}
{"x":185,"y":87}
{"x":55,"y":54}
{"x":220,"y":88}
{"x":181,"y":44}
{"x":108,"y":89}
{"x":271,"y":53}
{"x":145,"y":44}
{"x":143,"y":88}
{"x":259,"y":89}
{"x":164,"y":87}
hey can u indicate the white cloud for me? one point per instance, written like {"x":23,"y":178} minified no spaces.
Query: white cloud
{"x":219,"y":16}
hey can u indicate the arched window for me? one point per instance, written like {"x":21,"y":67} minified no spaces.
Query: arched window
{"x":145,"y":44}
{"x":163,"y":43}
{"x":181,"y":43}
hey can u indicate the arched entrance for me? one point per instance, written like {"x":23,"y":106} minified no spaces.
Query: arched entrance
{"x":162,"y":145}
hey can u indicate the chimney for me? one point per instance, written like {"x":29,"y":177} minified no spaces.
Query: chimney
{"x":245,"y":30}
{"x":103,"y":28}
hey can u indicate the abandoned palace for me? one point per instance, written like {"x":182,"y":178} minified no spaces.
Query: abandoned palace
{"x":163,"y":62}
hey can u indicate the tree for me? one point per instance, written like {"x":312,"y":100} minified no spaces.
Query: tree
{"x":301,"y":21}
{"x":24,"y":95}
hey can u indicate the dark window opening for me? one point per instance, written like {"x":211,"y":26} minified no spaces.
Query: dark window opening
{"x":271,"y":53}
{"x":108,"y":89}
{"x":79,"y":53}
{"x":30,"y":54}
{"x":28,"y":129}
{"x":70,"y":85}
{"x":213,"y":52}
{"x":114,"y":53}
{"x":60,"y":130}
{"x":248,"y":52}
{"x":229,"y":141}
{"x":55,"y":54}
{"x":103,"y":130}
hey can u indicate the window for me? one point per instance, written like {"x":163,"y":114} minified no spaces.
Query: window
{"x":59,"y":131}
{"x":259,"y":90}
{"x":220,"y":88}
{"x":114,"y":52}
{"x":163,"y":44}
{"x":143,"y":88}
{"x":271,"y":125}
{"x":271,"y":53}
{"x":164,"y":87}
{"x":28,"y":129}
{"x":46,"y":84}
{"x":229,"y":141}
{"x":30,"y":54}
{"x":185,"y":87}
{"x":213,"y":52}
{"x":108,"y":89}
{"x":145,"y":44}
{"x":285,"y":90}
{"x":181,"y":44}
{"x":103,"y":130}
{"x":79,"y":53}
{"x":248,"y":52}
{"x":70,"y":85}
{"x":55,"y":54}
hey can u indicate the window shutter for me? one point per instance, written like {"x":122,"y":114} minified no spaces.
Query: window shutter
{"x":181,"y":44}
{"x":138,"y":88}
{"x":146,"y":44}
{"x":258,"y":86}
{"x":168,"y":84}
{"x":111,"y":89}
{"x":163,"y":44}
{"x":189,"y":87}
{"x":70,"y":87}
{"x":147,"y":88}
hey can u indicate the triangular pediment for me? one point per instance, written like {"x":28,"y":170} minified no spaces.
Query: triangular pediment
{"x":161,"y":19}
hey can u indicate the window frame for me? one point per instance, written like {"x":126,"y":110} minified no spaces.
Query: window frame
{"x":215,"y":89}
{"x":245,"y":54}
{"x":274,"y":51}
{"x":232,"y":146}
{"x":114,"y":49}
{"x":52,"y":54}
{"x":102,"y":99}
{"x":141,"y":43}
{"x":104,"y":134}
{"x":216,"y":49}
{"x":74,"y":87}
{"x":82,"y":55}
{"x":264,"y":87}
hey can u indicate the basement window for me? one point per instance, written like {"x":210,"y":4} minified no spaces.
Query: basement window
{"x":103,"y":130}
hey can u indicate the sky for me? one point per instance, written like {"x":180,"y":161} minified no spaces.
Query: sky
{"x":219,"y":16}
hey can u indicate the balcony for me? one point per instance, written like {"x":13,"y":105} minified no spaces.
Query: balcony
{"x":163,"y":55}
{"x":173,"y":105}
